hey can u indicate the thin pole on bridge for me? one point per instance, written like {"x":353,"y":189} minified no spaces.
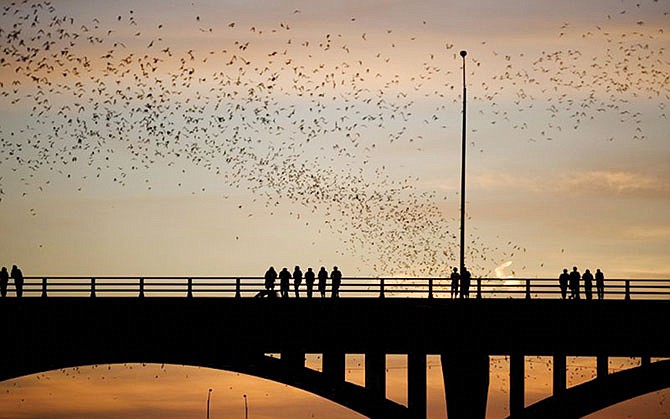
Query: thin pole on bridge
{"x":463,"y":145}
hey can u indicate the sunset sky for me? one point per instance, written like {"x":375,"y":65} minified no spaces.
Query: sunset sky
{"x":220,"y":137}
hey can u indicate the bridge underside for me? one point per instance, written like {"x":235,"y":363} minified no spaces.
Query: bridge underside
{"x":233,"y":334}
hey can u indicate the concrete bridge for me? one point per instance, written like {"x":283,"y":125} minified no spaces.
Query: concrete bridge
{"x":235,"y":334}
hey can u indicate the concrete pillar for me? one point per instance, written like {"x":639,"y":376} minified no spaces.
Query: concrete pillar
{"x":601,"y":366}
{"x":646,"y":360}
{"x":375,"y":374}
{"x":466,"y":384}
{"x":293,"y":360}
{"x":416,"y":385}
{"x":333,"y":366}
{"x":516,"y":384}
{"x":560,"y":372}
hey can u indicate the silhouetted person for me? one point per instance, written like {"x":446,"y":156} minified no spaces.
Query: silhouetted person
{"x":454,"y":283}
{"x":574,"y":283}
{"x":309,"y":281}
{"x":4,"y":280}
{"x":336,"y":277}
{"x":270,"y":279}
{"x":600,"y":284}
{"x":323,"y":280}
{"x":563,"y":281}
{"x":465,"y":283}
{"x":284,"y":277}
{"x":18,"y":280}
{"x":588,"y":284}
{"x":297,"y":280}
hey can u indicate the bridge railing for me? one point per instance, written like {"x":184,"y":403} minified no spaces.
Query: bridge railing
{"x":361,"y":287}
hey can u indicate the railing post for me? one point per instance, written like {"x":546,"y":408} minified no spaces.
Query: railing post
{"x":430,"y":287}
{"x":190,"y":288}
{"x":141,"y":287}
{"x":479,"y":288}
{"x":627,"y":289}
{"x":44,"y":287}
{"x":92,"y":287}
{"x":528,"y":289}
{"x":381,"y":287}
{"x":237,"y":288}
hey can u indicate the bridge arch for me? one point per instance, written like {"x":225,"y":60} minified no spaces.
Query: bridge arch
{"x":352,"y":396}
{"x":602,"y":392}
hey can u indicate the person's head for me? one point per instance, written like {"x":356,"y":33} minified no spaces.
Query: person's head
{"x":272,"y":268}
{"x":4,"y":269}
{"x":587,"y":271}
{"x":14,"y":267}
{"x":334,"y":268}
{"x":323,"y":268}
{"x":297,"y":268}
{"x":565,"y":271}
{"x":455,"y":269}
{"x":598,"y":270}
{"x":574,"y":268}
{"x":309,"y":269}
{"x":284,"y":269}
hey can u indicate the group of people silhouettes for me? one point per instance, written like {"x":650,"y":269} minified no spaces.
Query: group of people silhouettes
{"x":460,"y":283}
{"x":310,"y":278}
{"x":16,"y":275}
{"x":570,"y":281}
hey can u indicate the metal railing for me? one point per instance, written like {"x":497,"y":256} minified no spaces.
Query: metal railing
{"x":245,"y":287}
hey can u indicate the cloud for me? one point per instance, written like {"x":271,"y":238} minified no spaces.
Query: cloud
{"x":620,"y":183}
{"x":596,"y":182}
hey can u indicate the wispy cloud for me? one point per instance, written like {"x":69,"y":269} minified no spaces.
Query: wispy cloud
{"x":595,"y":182}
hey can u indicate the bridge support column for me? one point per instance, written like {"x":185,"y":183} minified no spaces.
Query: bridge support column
{"x":560,"y":373}
{"x":333,"y":366}
{"x":375,"y":374}
{"x":645,"y":360}
{"x":416,"y":385}
{"x":516,"y":384}
{"x":601,"y":366}
{"x":292,"y":362}
{"x":466,"y":384}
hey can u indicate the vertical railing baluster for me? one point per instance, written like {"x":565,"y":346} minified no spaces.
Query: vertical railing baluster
{"x":190,"y":288}
{"x":479,"y":288}
{"x":141,"y":287}
{"x":44,"y":287}
{"x":237,"y":288}
{"x":381,"y":287}
{"x":527,"y":289}
{"x":92,"y":287}
{"x":430,"y":287}
{"x":627,"y":289}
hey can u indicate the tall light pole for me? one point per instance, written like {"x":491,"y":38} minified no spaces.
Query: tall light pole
{"x":463,"y":146}
{"x":209,"y":394}
{"x":246,"y":407}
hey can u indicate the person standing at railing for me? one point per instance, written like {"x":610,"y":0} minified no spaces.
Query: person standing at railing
{"x":323,"y":280}
{"x":297,"y":280}
{"x":454,"y":283}
{"x":284,"y":277}
{"x":465,"y":283}
{"x":4,"y":280}
{"x":270,"y":278}
{"x":309,"y":281}
{"x":600,"y":284}
{"x":18,"y":280}
{"x":563,"y":280}
{"x":336,"y":277}
{"x":588,"y":284}
{"x":574,"y":283}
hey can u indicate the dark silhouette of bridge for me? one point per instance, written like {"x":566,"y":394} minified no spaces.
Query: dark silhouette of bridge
{"x":235,"y":334}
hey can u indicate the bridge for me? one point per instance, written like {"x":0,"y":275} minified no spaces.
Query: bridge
{"x":216,"y":322}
